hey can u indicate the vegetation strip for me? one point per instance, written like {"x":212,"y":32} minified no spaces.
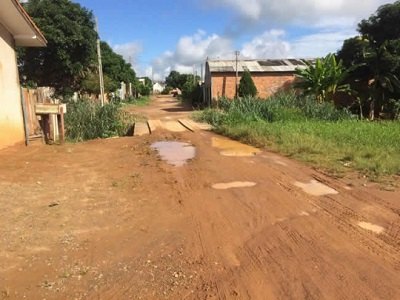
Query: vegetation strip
{"x":317,"y":133}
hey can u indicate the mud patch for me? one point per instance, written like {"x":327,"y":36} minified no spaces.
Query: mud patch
{"x":233,"y":148}
{"x":175,"y":153}
{"x":275,"y":159}
{"x":316,"y":188}
{"x":304,"y":214}
{"x":371,"y":227}
{"x":231,"y":185}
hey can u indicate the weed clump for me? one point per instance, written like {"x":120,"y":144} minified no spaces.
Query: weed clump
{"x":88,"y":120}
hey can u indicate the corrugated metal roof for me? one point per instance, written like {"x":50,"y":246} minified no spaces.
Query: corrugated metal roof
{"x":259,"y":65}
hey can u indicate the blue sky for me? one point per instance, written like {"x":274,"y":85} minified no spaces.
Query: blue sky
{"x":158,"y":36}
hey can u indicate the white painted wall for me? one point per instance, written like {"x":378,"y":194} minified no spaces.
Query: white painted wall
{"x":11,"y":119}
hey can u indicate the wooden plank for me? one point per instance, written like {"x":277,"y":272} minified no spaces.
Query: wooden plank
{"x":154,"y":124}
{"x":140,"y":129}
{"x":193,"y":126}
{"x":187,"y":124}
{"x":43,"y":109}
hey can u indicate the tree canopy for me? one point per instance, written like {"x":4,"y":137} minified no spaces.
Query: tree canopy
{"x":71,"y":49}
{"x":178,"y":80}
{"x":69,"y":62}
{"x":115,"y":67}
{"x":376,"y":53}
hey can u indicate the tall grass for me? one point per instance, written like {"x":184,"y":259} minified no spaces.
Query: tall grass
{"x":87,"y":120}
{"x":317,"y":133}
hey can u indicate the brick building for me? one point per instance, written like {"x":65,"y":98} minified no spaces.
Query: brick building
{"x":269,"y":76}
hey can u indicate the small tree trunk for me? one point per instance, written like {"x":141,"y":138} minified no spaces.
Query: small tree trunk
{"x":372,"y":109}
{"x":361,"y":109}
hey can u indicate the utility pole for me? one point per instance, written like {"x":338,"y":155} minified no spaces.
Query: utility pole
{"x":101,"y":78}
{"x":194,"y":78}
{"x":202,"y":73}
{"x":237,"y":53}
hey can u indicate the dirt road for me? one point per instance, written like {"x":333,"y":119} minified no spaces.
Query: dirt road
{"x":109,"y":219}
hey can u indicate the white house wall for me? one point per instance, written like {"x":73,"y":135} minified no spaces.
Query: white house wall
{"x":11,"y":119}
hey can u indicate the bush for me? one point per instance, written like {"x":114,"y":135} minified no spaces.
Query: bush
{"x":247,"y":88}
{"x":87,"y":120}
{"x":282,"y":107}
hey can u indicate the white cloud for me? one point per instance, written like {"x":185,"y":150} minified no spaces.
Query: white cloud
{"x":130,"y":52}
{"x":319,"y":44}
{"x":270,"y":44}
{"x":320,"y":13}
{"x":191,"y":51}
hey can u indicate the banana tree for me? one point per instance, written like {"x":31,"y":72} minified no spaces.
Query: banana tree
{"x":323,"y":79}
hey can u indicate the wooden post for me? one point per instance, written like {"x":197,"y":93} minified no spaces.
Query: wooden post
{"x":62,"y":137}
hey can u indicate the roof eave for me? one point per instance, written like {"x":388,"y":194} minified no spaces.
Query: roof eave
{"x":33,"y":39}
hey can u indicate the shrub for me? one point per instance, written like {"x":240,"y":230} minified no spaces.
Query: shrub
{"x":87,"y":120}
{"x":282,"y":107}
{"x":246,"y":86}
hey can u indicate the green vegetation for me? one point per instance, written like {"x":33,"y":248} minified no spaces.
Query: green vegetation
{"x":376,"y":53}
{"x":247,"y":88}
{"x":69,"y":62}
{"x":317,"y":133}
{"x":71,"y":49}
{"x":188,"y":84}
{"x":87,"y":120}
{"x":141,"y":101}
{"x":323,"y":79}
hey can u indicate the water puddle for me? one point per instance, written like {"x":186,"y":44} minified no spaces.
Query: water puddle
{"x":316,"y":188}
{"x":371,"y":227}
{"x":233,"y":148}
{"x":231,"y":185}
{"x":175,"y":153}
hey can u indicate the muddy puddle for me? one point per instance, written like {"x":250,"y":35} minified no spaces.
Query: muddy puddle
{"x":371,"y":227}
{"x":233,"y":148}
{"x":231,"y":185}
{"x":175,"y":153}
{"x":316,"y":188}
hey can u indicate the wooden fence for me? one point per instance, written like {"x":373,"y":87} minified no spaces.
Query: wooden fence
{"x":38,"y":124}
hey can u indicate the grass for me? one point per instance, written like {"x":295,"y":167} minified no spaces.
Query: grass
{"x":141,"y":101}
{"x":318,"y":134}
{"x":87,"y":120}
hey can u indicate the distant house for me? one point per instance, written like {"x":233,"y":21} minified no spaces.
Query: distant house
{"x":16,"y":29}
{"x":158,"y":88}
{"x":269,"y":76}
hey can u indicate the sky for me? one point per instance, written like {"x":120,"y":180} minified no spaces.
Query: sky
{"x":158,"y":36}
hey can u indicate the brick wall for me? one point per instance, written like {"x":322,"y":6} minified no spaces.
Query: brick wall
{"x":223,"y":84}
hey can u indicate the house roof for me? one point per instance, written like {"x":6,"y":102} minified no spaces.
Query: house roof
{"x":21,"y":26}
{"x":257,"y":65}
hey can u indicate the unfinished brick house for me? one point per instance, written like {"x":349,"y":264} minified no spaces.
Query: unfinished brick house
{"x":269,"y":76}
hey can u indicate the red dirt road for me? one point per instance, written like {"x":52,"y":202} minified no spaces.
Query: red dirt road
{"x":108,"y":219}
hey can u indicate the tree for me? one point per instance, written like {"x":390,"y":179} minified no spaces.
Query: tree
{"x":91,"y":84}
{"x":174,"y":80}
{"x":383,"y":25}
{"x":177,"y":80}
{"x":71,"y":48}
{"x":323,"y":79}
{"x":146,"y":87}
{"x":377,"y":53}
{"x":115,"y":67}
{"x":247,"y":86}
